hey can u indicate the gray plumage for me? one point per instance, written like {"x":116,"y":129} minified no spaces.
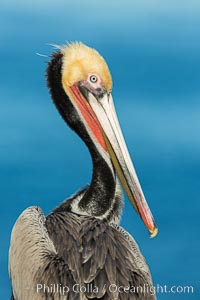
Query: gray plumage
{"x":64,"y":249}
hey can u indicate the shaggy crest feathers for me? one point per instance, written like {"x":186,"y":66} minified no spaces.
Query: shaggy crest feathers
{"x":79,"y":60}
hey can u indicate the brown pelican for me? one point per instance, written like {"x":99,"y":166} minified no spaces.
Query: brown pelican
{"x":79,"y":251}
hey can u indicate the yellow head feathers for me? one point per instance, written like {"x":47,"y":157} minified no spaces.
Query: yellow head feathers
{"x":79,"y":60}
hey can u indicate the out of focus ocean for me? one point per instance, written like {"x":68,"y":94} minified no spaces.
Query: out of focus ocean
{"x":153,"y":50}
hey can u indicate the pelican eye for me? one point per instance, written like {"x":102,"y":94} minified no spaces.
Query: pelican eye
{"x":93,"y":78}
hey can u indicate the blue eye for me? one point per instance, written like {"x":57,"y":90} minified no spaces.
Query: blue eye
{"x":93,"y":78}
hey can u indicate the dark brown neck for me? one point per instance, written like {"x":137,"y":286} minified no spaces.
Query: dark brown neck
{"x":100,"y":194}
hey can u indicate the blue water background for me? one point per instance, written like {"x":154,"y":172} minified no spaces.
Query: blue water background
{"x":153,"y":50}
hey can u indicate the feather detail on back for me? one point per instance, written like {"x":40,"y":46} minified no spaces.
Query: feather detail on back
{"x":66,"y":250}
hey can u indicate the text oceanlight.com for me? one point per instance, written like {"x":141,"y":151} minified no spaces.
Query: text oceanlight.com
{"x":113,"y":288}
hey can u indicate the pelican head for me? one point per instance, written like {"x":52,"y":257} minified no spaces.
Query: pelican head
{"x":87,"y":82}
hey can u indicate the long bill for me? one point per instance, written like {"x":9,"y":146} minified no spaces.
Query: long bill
{"x":105,"y":112}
